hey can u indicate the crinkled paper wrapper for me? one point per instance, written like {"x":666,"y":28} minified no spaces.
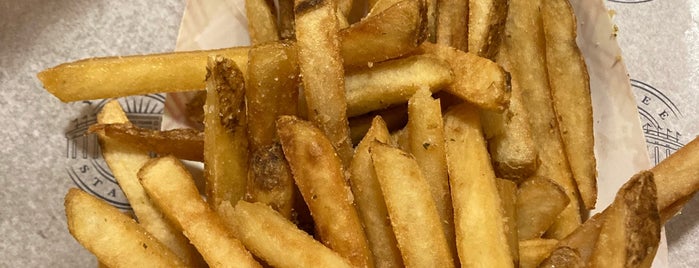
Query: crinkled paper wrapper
{"x":619,"y":143}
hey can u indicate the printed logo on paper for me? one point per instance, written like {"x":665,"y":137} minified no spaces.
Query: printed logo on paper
{"x":85,"y":165}
{"x":658,"y":115}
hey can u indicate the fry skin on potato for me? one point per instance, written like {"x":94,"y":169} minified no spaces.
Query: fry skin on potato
{"x":320,"y":178}
{"x":225,"y":140}
{"x":570,"y":91}
{"x":172,"y":189}
{"x":452,"y":23}
{"x":270,"y":236}
{"x":420,"y":236}
{"x":183,"y":143}
{"x":369,"y":199}
{"x":486,"y":23}
{"x":478,"y":216}
{"x":115,"y":238}
{"x":539,"y":202}
{"x":125,"y":158}
{"x":262,"y":21}
{"x":507,"y":190}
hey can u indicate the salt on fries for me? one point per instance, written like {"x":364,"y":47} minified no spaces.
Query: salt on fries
{"x":475,"y":150}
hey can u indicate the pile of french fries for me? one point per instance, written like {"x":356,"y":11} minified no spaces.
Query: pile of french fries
{"x":379,"y":133}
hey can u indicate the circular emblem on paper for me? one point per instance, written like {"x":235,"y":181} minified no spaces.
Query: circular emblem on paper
{"x":659,"y":115}
{"x":85,"y":165}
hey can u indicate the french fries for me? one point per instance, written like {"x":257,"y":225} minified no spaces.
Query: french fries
{"x":125,"y":158}
{"x":319,"y":175}
{"x":393,"y":82}
{"x":116,"y":239}
{"x":369,"y":199}
{"x":323,"y":74}
{"x":570,"y":92}
{"x":426,"y":195}
{"x":478,"y":215}
{"x":225,"y":139}
{"x":172,"y":189}
{"x":421,"y":237}
{"x":523,"y":48}
{"x":271,"y":236}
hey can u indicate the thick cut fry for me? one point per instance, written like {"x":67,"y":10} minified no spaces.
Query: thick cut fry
{"x":393,"y":82}
{"x":478,"y":216}
{"x":510,"y":142}
{"x":370,"y":200}
{"x":392,"y":33}
{"x":411,"y":207}
{"x":124,"y":159}
{"x":426,"y":139}
{"x":322,"y":72}
{"x":101,"y":78}
{"x":523,"y":47}
{"x":563,"y":257}
{"x":677,"y":177}
{"x":486,"y":23}
{"x":394,"y":117}
{"x":539,"y":202}
{"x":584,"y":238}
{"x":262,"y":21}
{"x":115,"y":238}
{"x":477,"y":80}
{"x":507,"y":190}
{"x":532,"y":252}
{"x":570,"y":91}
{"x":272,"y":90}
{"x":185,"y":144}
{"x":225,"y":140}
{"x":452,"y":23}
{"x":172,"y":189}
{"x":631,"y":230}
{"x":319,"y":175}
{"x":275,"y":239}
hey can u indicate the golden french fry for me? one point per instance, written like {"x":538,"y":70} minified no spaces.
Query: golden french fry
{"x":507,"y":190}
{"x":110,"y":77}
{"x":533,"y":251}
{"x":570,"y":91}
{"x":452,"y":23}
{"x":539,"y":202}
{"x":272,"y":90}
{"x":486,"y":23}
{"x":478,"y":216}
{"x":370,"y":200}
{"x":172,"y":189}
{"x":262,"y":21}
{"x":523,"y":48}
{"x":510,"y":142}
{"x":420,"y":235}
{"x":426,"y":140}
{"x":125,"y":158}
{"x":185,"y":144}
{"x":677,"y":177}
{"x":225,"y":140}
{"x":379,"y":6}
{"x":395,"y":117}
{"x":270,"y":236}
{"x":674,"y":208}
{"x":115,"y":238}
{"x":563,"y":257}
{"x":584,"y":238}
{"x":393,"y":82}
{"x":322,"y":72}
{"x":319,"y":175}
{"x":631,"y":229}
{"x":477,"y":80}
{"x":400,"y":139}
{"x":391,"y":33}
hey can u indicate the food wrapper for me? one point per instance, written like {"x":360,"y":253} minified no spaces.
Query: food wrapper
{"x":620,"y":146}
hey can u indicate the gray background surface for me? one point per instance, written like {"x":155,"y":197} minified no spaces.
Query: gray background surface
{"x":35,"y":35}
